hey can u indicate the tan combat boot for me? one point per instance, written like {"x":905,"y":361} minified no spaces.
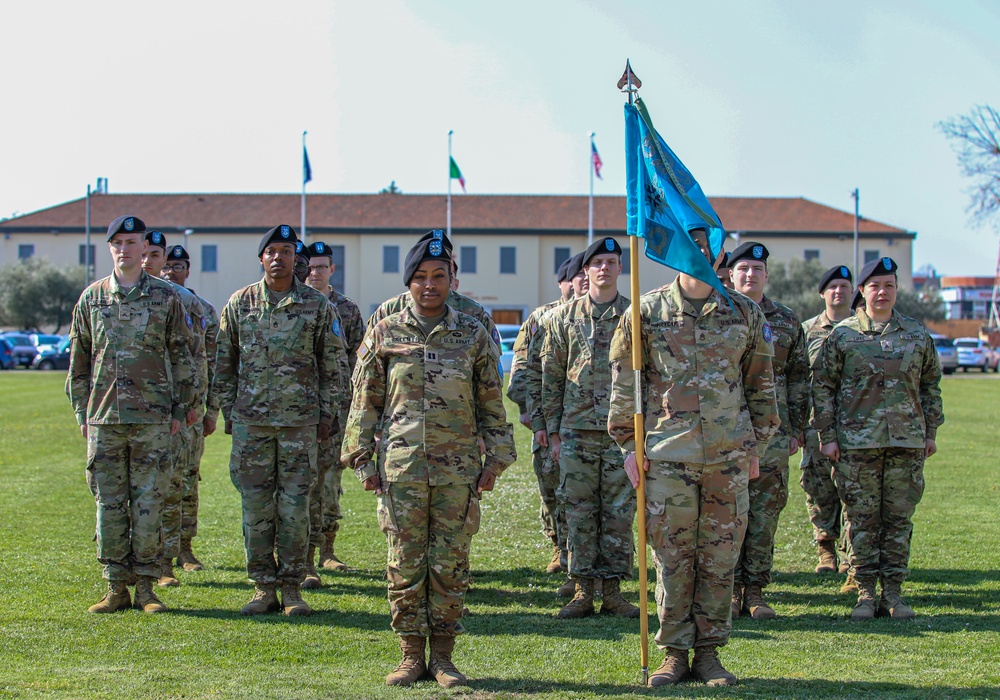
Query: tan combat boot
{"x":614,"y":603}
{"x":291,"y":599}
{"x":850,"y":585}
{"x":412,"y":668}
{"x":864,"y":609}
{"x":737,"y":604}
{"x":145,"y":598}
{"x":312,"y":579}
{"x":582,"y":604}
{"x":117,"y":598}
{"x":567,"y":590}
{"x":827,"y":557}
{"x":754,"y":601}
{"x":167,"y":577}
{"x":555,"y":564}
{"x":673,"y":670}
{"x":440,"y":665}
{"x":892,"y":604}
{"x":327,"y":559}
{"x":264,"y":600}
{"x":186,"y":559}
{"x":707,"y":668}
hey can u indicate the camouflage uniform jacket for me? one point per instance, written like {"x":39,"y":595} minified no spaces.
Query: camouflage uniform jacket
{"x":457,"y":301}
{"x":816,"y":329}
{"x":211,"y":348}
{"x":521,"y":374}
{"x":576,"y":374}
{"x":130,"y":354}
{"x":707,"y":381}
{"x":875,"y":389}
{"x":280,"y":365}
{"x":199,"y":323}
{"x":431,"y":396}
{"x":790,"y":365}
{"x":352,"y":323}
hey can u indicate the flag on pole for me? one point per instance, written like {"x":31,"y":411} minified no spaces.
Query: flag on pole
{"x":456,"y":174}
{"x":596,"y":158}
{"x":664,"y":202}
{"x":307,"y":173}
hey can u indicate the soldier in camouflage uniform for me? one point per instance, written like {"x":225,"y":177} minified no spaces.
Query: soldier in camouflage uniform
{"x":520,"y":375}
{"x":324,"y":502}
{"x":593,"y":493}
{"x":280,"y":385}
{"x":822,"y":501}
{"x":153,"y":261}
{"x":177,"y":270}
{"x":132,"y":385}
{"x":709,"y":412}
{"x":427,"y":380}
{"x":769,"y":492}
{"x":877,"y":408}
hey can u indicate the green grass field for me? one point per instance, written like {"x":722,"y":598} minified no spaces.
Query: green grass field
{"x":515,"y":648}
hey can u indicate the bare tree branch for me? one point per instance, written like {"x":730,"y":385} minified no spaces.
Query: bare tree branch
{"x":975,"y":138}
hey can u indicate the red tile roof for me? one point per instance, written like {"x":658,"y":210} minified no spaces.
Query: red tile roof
{"x":534,"y":213}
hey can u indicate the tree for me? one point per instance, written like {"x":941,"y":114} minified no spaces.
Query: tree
{"x":976,"y":140}
{"x":36,"y":293}
{"x":391,"y":189}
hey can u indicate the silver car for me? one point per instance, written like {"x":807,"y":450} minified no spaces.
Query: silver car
{"x":974,"y":353}
{"x":946,"y":352}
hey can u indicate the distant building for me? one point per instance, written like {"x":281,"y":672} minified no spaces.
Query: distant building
{"x":508,"y":246}
{"x":967,"y":298}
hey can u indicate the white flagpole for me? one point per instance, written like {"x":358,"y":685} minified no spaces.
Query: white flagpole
{"x":590,"y":219}
{"x":302,"y":227}
{"x":450,"y":132}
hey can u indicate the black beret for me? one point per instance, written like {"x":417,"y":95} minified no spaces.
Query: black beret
{"x":561,"y":275}
{"x":751,"y":250}
{"x":126,"y":224}
{"x":840,"y":272}
{"x":574,"y":266}
{"x":605,"y":245}
{"x":858,"y":300}
{"x":426,"y":249}
{"x":318,"y":249}
{"x":283,"y":233}
{"x":879,"y":266}
{"x":438,"y":235}
{"x":178,"y":253}
{"x":725,"y":260}
{"x":301,"y":250}
{"x":156,"y":238}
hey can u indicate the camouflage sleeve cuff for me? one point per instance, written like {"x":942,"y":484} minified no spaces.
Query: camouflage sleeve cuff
{"x":366,"y":471}
{"x":212,"y":414}
{"x":552,"y":426}
{"x":496,"y":468}
{"x":81,"y":418}
{"x":628,"y":446}
{"x":537,"y":424}
{"x":930,"y":433}
{"x":179,"y":412}
{"x":827,"y":437}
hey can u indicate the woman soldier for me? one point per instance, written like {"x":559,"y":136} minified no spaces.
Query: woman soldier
{"x":426,"y":382}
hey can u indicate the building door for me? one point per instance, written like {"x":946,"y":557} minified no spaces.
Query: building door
{"x":511,"y":316}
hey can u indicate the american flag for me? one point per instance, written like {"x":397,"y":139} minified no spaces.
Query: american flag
{"x":596,"y":157}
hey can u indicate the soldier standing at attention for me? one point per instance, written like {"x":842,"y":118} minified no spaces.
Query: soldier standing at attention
{"x":594,"y":494}
{"x":279,"y":384}
{"x":324,"y":503}
{"x":177,"y":270}
{"x":132,"y":385}
{"x":877,"y":408}
{"x":153,"y":261}
{"x":769,"y":492}
{"x":517,"y":391}
{"x":427,"y":380}
{"x":822,"y":501}
{"x":709,"y":413}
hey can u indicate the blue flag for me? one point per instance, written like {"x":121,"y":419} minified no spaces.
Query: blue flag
{"x":307,"y":172}
{"x":664,"y":202}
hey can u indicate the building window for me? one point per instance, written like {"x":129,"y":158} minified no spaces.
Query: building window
{"x":390,"y":258}
{"x":508,"y":260}
{"x":559,"y":257}
{"x":209,"y":258}
{"x":337,"y":260}
{"x":871,"y":255}
{"x":811,"y":255}
{"x":467,"y":259}
{"x":83,"y":254}
{"x":25,"y":250}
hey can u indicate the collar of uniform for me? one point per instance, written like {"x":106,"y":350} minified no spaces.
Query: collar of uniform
{"x":295,"y":297}
{"x":711,"y":304}
{"x":142,"y":285}
{"x":767,"y":306}
{"x":449,"y":320}
{"x":865,"y":322}
{"x":617,"y":306}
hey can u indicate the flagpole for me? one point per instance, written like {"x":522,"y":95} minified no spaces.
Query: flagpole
{"x":639,"y":430}
{"x":302,"y":226}
{"x":450,"y":132}
{"x":590,"y":219}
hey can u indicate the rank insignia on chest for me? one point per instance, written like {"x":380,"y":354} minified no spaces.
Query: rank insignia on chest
{"x":431,"y":356}
{"x":124,"y":313}
{"x":887,"y":345}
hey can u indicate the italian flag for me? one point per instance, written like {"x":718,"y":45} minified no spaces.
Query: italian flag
{"x":456,"y":173}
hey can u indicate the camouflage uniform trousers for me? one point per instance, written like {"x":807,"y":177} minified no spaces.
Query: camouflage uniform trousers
{"x":598,"y":502}
{"x":768,"y":496}
{"x":127,"y":471}
{"x":826,"y":512}
{"x":192,"y":475}
{"x":696,"y":516}
{"x":324,"y":498}
{"x":880,"y":489}
{"x":429,"y":531}
{"x":553,"y":519}
{"x":180,"y":457}
{"x":273,"y":468}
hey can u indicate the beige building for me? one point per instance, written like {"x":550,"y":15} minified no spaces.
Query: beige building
{"x":508,"y":246}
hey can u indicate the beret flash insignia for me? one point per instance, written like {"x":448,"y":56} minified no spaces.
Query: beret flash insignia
{"x":887,"y":263}
{"x":129,"y":224}
{"x":758,"y":251}
{"x":157,"y":238}
{"x":319,"y":247}
{"x":609,"y":243}
{"x":844,"y":272}
{"x":178,"y":250}
{"x":435,"y":248}
{"x":285,"y":232}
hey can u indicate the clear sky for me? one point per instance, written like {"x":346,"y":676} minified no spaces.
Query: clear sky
{"x":763,"y":98}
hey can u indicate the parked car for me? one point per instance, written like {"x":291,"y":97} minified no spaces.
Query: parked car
{"x":40,"y":340}
{"x":508,"y":334}
{"x":946,"y":352}
{"x":53,"y":357}
{"x":24,"y":349}
{"x":974,"y":353}
{"x":6,"y":354}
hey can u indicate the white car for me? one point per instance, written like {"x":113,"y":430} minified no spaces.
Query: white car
{"x":974,"y":353}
